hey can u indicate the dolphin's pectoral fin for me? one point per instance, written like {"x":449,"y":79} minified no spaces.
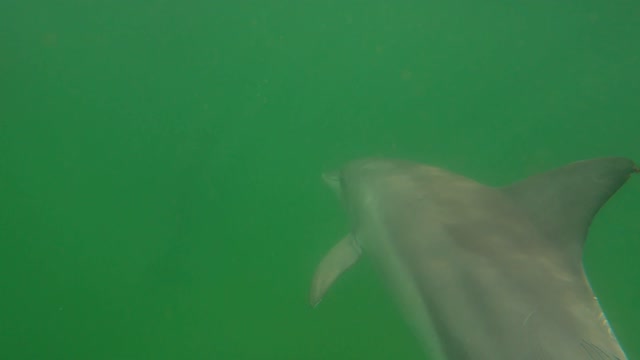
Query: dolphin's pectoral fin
{"x":333,"y":180}
{"x":343,"y":254}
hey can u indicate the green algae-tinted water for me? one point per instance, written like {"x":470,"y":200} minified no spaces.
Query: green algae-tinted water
{"x":160,"y":193}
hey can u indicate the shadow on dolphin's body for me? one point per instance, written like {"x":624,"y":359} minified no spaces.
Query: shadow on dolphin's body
{"x":481,"y":273}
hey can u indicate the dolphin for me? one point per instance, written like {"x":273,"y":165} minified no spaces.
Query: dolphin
{"x":480,"y":272}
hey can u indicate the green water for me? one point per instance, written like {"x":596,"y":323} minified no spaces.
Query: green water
{"x":160,"y":193}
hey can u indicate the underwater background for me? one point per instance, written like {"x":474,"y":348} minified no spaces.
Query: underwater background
{"x":160,"y":161}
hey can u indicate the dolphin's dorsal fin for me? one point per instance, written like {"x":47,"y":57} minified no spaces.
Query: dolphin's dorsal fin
{"x":562,"y":202}
{"x":343,"y":254}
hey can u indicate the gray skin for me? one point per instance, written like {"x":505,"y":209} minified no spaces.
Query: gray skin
{"x":481,"y":273}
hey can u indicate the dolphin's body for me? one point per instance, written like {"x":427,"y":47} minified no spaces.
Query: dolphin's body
{"x":481,"y":273}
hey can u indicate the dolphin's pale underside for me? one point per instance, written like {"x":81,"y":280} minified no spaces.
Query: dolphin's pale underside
{"x":481,"y":273}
